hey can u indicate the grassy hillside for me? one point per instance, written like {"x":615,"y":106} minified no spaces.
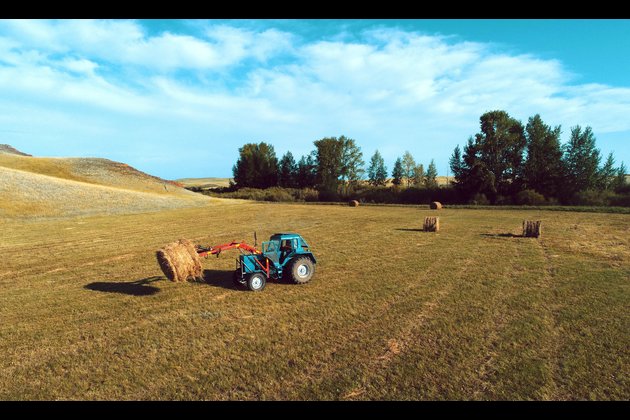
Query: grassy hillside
{"x":7,"y":148}
{"x":34,"y":186}
{"x":472,"y":312}
{"x":93,"y":171}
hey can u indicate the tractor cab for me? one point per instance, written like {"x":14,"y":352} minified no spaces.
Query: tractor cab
{"x":281,"y":247}
{"x":283,"y":255}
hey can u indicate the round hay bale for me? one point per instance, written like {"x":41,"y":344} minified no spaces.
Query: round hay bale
{"x":431,"y":224}
{"x":190,"y":248}
{"x":179,"y":261}
{"x":436,"y":205}
{"x":532,"y":228}
{"x":353,"y":203}
{"x":166,"y":265}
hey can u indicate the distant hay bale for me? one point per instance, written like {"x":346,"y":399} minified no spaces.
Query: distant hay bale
{"x":353,"y":203}
{"x":431,"y":224}
{"x":531,"y":228}
{"x":436,"y":205}
{"x":179,"y":260}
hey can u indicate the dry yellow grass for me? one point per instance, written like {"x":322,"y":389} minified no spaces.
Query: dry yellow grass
{"x":92,"y":171}
{"x":392,"y":313}
{"x":26,"y":194}
{"x":60,"y":187}
{"x":205,"y":182}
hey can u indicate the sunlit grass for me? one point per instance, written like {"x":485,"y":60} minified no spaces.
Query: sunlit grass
{"x":471,"y":312}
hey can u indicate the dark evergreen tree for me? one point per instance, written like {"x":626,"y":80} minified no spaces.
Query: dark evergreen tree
{"x":620,"y":179}
{"x":397,"y":172}
{"x":430,"y":179}
{"x":408,"y":165}
{"x":287,"y":176}
{"x":377,"y":171}
{"x":543,"y":169}
{"x":306,"y":172}
{"x":606,"y":174}
{"x":456,"y":164}
{"x":581,"y":161}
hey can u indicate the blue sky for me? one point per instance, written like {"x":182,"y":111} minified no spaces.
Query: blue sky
{"x":178,"y":98}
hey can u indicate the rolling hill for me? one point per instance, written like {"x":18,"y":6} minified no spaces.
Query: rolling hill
{"x":38,"y":186}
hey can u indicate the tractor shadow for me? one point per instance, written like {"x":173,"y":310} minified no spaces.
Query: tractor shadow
{"x":223,"y":279}
{"x":140,"y":287}
{"x":220,"y":278}
{"x":501,"y":235}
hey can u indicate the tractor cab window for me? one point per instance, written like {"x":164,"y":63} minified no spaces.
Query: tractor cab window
{"x":286,"y":245}
{"x":270,"y":247}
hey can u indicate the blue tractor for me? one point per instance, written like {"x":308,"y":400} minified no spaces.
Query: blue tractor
{"x":284,"y":255}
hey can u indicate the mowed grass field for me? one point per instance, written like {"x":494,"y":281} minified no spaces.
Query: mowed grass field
{"x":471,"y":312}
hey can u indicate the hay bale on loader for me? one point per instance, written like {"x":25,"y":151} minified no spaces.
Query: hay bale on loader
{"x":431,"y":224}
{"x":435,"y":205}
{"x":179,"y":260}
{"x":353,"y":203}
{"x":531,"y":228}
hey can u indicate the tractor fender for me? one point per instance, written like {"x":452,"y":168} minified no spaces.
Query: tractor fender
{"x":310,"y":256}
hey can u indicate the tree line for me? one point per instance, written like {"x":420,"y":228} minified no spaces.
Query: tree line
{"x":504,"y":163}
{"x":336,"y":164}
{"x":507,"y":160}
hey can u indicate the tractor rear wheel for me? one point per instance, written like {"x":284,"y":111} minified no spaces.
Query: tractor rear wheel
{"x":256,"y":282}
{"x":301,"y":270}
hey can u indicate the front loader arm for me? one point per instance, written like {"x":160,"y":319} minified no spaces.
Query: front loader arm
{"x":217,"y":249}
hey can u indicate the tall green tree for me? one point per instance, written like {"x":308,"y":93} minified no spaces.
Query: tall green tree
{"x":471,"y":173}
{"x":397,"y":172}
{"x":581,"y":161}
{"x":329,"y":162}
{"x":377,"y":171}
{"x":256,"y":167}
{"x":408,"y":165}
{"x":418,"y":175}
{"x":543,"y":169}
{"x":620,"y":179}
{"x":456,"y":165}
{"x":500,"y":145}
{"x":351,"y":161}
{"x":492,"y":163}
{"x":606,"y":174}
{"x":306,"y":172}
{"x":287,"y":176}
{"x":430,"y":179}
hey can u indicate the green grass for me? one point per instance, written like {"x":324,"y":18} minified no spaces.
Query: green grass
{"x":471,"y":312}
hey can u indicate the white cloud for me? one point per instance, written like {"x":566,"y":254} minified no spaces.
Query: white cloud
{"x":389,"y":89}
{"x":126,"y":42}
{"x":79,"y":65}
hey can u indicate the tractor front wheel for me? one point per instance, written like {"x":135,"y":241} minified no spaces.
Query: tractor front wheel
{"x":256,"y":282}
{"x":301,"y":270}
{"x":236,"y":277}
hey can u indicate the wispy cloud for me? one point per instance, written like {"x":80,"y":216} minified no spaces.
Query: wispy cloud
{"x":390,"y":89}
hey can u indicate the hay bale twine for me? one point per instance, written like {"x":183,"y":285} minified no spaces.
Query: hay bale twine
{"x":435,"y":205}
{"x":179,"y":261}
{"x":431,"y":224}
{"x":353,"y":203}
{"x":532,"y":228}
